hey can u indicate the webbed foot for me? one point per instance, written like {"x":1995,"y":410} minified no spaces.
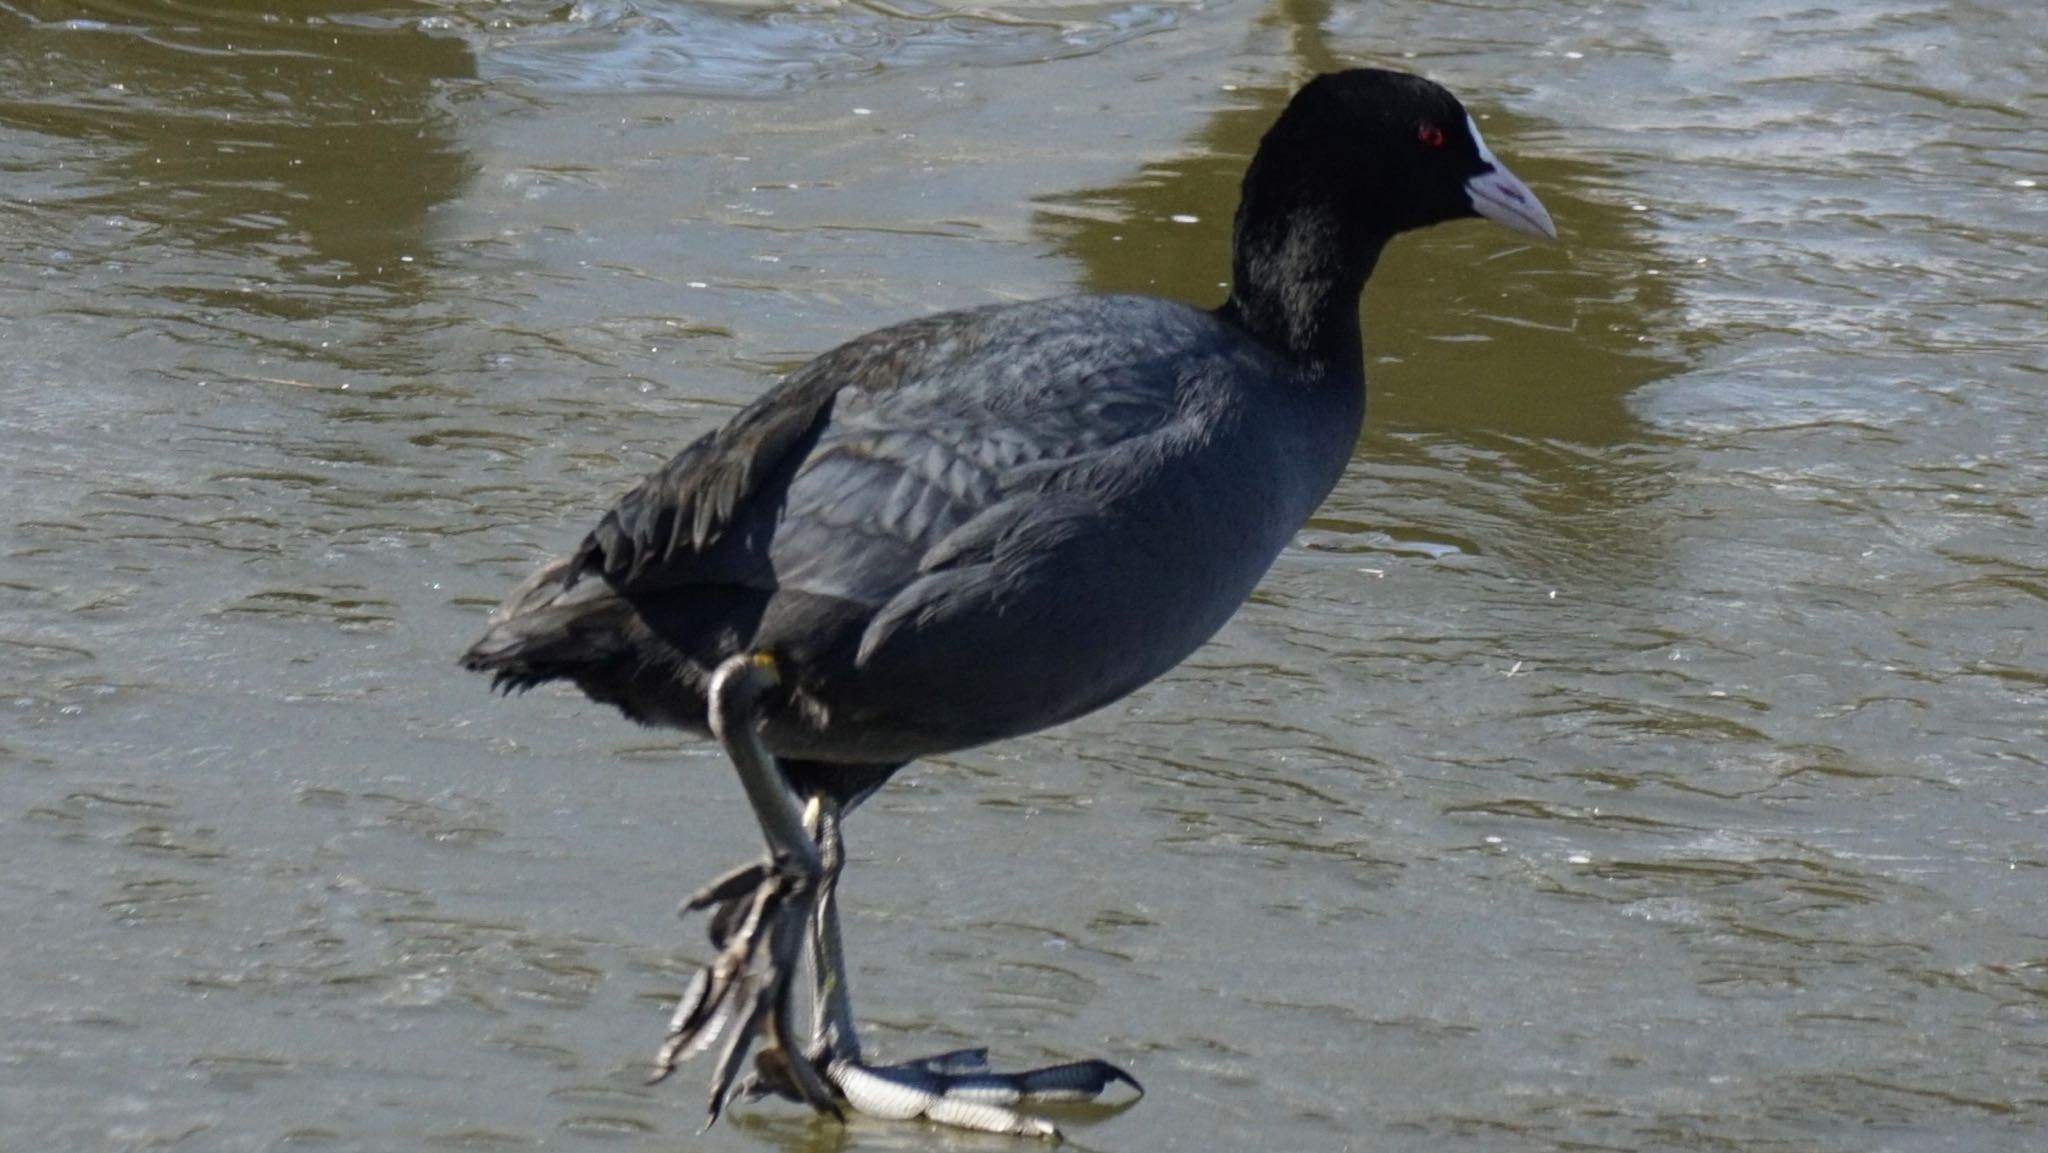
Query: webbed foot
{"x":766,"y":916}
{"x":956,"y":1088}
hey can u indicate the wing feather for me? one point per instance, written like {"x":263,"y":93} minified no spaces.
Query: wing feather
{"x":671,"y":529}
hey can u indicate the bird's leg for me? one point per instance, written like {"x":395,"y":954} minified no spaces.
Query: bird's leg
{"x":761,"y":914}
{"x":832,"y":1029}
{"x":955,"y":1088}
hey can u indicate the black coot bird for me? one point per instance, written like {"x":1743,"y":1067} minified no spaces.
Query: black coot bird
{"x":976,"y":525}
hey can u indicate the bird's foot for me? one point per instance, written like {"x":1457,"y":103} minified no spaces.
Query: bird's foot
{"x":955,"y":1088}
{"x":759,"y":916}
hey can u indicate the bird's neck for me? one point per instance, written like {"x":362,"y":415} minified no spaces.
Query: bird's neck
{"x":1296,"y":274}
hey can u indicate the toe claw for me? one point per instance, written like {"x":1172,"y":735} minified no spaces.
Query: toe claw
{"x":1074,"y":1081}
{"x":735,"y":1049}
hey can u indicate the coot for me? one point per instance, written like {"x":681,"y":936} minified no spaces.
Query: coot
{"x":976,"y":525}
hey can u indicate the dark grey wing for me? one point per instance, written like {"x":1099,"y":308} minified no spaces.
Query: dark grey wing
{"x":819,"y":503}
{"x":893,"y":478}
{"x":688,"y":545}
{"x":658,"y":535}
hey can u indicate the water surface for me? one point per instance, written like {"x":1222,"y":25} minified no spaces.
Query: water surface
{"x":1641,"y":751}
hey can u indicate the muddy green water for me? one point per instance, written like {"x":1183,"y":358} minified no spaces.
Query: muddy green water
{"x":1646,"y":749}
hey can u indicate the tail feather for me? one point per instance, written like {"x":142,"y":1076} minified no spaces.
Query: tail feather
{"x":553,"y":625}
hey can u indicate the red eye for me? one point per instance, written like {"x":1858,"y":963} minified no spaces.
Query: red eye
{"x":1430,"y":135}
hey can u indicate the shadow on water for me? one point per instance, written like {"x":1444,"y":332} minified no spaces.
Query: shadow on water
{"x":279,"y":165}
{"x":1484,"y":351}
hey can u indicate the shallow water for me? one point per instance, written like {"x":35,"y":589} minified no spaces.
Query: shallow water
{"x":1642,"y":751}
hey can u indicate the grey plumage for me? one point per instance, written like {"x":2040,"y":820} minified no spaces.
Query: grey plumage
{"x":952,"y":530}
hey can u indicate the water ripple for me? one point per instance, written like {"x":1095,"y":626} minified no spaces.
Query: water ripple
{"x":747,"y":49}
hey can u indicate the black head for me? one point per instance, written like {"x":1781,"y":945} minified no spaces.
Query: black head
{"x":1355,"y":158}
{"x":1393,"y":152}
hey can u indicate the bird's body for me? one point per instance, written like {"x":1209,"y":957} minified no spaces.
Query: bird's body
{"x":958,"y":529}
{"x":976,"y":525}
